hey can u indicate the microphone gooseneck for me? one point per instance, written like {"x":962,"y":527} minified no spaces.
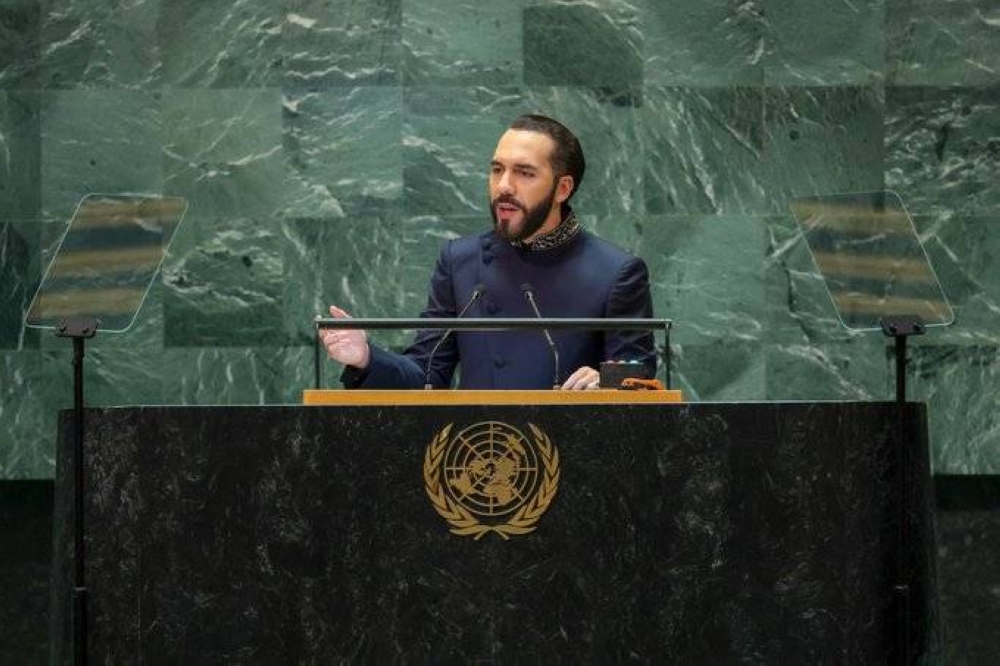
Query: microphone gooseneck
{"x":477,"y":293}
{"x":529,"y":294}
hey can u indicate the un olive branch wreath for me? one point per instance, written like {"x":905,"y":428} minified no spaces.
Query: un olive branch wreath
{"x":462,"y":522}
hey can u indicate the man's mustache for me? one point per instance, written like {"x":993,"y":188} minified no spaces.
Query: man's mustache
{"x":507,"y":199}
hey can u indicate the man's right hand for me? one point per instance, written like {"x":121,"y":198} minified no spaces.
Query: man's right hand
{"x":347,"y":346}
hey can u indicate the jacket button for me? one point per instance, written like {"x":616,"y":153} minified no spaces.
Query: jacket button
{"x":487,"y":257}
{"x":499,"y":362}
{"x":492,"y":307}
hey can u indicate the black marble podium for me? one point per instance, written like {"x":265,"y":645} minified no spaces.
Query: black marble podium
{"x":702,"y":533}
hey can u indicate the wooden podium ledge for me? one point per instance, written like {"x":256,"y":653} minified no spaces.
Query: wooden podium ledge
{"x":345,"y":397}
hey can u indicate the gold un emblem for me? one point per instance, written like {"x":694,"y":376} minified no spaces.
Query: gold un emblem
{"x":491,"y":478}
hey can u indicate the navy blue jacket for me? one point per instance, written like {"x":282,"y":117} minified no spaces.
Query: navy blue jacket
{"x":585,"y":277}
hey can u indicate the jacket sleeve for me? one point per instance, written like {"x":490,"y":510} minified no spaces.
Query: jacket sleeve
{"x":389,"y":370}
{"x":630,"y":299}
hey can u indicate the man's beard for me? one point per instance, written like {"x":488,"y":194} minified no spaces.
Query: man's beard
{"x":534,"y":217}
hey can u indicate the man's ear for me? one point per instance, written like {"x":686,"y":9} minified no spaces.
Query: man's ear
{"x":564,"y":188}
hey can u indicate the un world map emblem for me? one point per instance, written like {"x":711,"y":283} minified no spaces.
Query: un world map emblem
{"x":491,"y":477}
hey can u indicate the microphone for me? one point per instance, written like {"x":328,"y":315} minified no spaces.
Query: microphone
{"x":529,"y":294}
{"x":477,"y":292}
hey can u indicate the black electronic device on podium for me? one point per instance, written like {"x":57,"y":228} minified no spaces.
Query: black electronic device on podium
{"x":879,"y":278}
{"x":97,"y":281}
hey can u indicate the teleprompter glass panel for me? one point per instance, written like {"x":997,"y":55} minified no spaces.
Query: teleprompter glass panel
{"x":867,"y":250}
{"x":106,"y":260}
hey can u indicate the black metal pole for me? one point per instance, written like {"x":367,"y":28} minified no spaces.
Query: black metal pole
{"x":493,"y":324}
{"x":666,"y":355}
{"x":900,"y":369}
{"x":79,"y":329}
{"x":317,"y":368}
{"x":902,"y":587}
{"x":79,"y":546}
{"x":900,"y":328}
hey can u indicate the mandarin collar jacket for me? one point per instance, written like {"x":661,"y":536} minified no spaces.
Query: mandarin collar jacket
{"x":585,"y":277}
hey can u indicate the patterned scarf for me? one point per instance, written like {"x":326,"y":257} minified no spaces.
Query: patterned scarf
{"x":561,"y":235}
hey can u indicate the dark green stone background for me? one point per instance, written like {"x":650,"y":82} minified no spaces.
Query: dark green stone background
{"x":328,"y":148}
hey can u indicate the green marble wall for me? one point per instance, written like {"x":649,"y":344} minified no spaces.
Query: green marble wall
{"x":327,"y":148}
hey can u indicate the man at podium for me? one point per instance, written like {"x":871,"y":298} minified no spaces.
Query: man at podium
{"x":535,"y":261}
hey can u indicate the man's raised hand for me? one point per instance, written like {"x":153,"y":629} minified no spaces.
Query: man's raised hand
{"x":347,"y":346}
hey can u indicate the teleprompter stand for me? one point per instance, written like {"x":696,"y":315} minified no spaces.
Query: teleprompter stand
{"x":97,"y":282}
{"x":900,"y":328}
{"x":79,"y":329}
{"x":879,"y":278}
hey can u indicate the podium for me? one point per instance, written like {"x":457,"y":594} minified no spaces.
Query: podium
{"x":670,"y":533}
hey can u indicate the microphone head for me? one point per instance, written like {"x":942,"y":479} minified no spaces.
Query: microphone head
{"x":526,"y":288}
{"x":478,"y":289}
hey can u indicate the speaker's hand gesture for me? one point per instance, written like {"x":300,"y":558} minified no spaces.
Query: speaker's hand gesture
{"x":347,"y":346}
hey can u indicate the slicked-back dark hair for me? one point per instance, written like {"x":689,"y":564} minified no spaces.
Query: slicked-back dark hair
{"x":567,"y":157}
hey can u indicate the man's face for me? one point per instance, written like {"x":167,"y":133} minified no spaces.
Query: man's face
{"x":524,"y":192}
